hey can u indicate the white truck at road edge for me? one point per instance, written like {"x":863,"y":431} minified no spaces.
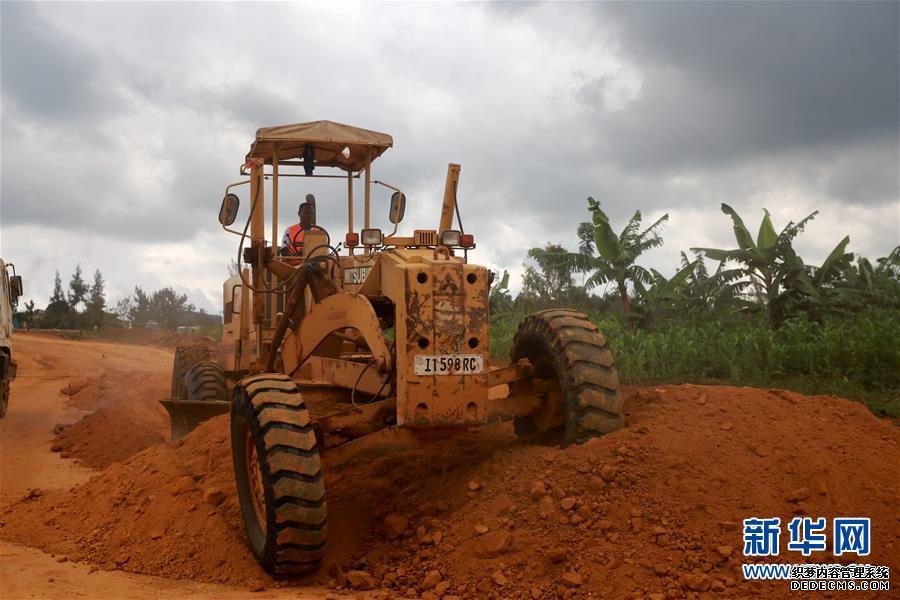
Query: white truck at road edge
{"x":10,"y":291}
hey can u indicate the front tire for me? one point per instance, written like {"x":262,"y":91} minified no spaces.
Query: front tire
{"x":278,"y":474}
{"x":569,"y":353}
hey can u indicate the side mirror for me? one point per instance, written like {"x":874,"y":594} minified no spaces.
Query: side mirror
{"x":229,"y":210}
{"x":398,"y":207}
{"x":15,"y":287}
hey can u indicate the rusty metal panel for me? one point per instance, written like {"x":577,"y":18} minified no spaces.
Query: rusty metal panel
{"x":478,"y":325}
{"x":449,"y":307}
{"x":446,"y":314}
{"x":290,"y":352}
{"x":392,"y":279}
{"x":340,"y":311}
{"x":224,"y":354}
{"x":514,"y":372}
{"x":414,"y":332}
{"x":350,"y":374}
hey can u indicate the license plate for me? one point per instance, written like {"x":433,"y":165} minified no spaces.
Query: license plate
{"x":448,"y":364}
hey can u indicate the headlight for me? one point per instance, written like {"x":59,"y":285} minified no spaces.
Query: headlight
{"x":371,"y":237}
{"x":450,"y":237}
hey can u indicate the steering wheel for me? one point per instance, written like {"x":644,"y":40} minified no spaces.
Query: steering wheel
{"x":295,"y":242}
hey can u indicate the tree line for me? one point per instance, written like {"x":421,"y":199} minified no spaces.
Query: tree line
{"x":758,"y":315}
{"x":763,"y":275}
{"x":83,"y":305}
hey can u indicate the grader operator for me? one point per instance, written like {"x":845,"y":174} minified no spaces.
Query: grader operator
{"x":355,"y":345}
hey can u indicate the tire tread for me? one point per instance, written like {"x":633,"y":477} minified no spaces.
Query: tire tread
{"x":297,"y":526}
{"x":585,"y":367}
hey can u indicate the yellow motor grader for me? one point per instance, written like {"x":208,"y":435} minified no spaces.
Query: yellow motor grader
{"x":348,"y":348}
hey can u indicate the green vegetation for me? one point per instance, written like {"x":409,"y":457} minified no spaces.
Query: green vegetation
{"x":855,"y":356}
{"x":762,"y":318}
{"x":617,"y":253}
{"x":84,"y":307}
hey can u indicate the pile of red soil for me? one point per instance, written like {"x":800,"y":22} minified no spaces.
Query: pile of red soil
{"x":152,"y":337}
{"x":126,"y":417}
{"x":81,"y":393}
{"x":169,"y":510}
{"x":653,"y":510}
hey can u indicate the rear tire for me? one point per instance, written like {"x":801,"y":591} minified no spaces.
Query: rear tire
{"x":563,"y":345}
{"x":186,"y":357}
{"x":278,"y":474}
{"x":206,"y":381}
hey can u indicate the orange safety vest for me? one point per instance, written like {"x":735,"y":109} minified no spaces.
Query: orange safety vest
{"x":296,"y":235}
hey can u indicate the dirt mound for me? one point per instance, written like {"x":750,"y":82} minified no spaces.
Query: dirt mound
{"x":126,"y":417}
{"x":172,"y":510}
{"x":153,"y":337}
{"x":85,"y":394}
{"x":75,"y":387}
{"x":104,"y":437}
{"x":168,"y":510}
{"x":654,"y":508}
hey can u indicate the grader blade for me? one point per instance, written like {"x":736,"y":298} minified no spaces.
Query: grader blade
{"x":185,"y":415}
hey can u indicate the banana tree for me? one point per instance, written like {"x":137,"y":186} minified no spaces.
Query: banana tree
{"x":664,"y":295}
{"x":889,"y":266}
{"x":878,"y":286}
{"x":501,"y":303}
{"x":768,"y":262}
{"x":722,"y":291}
{"x":616,"y":253}
{"x":826,"y":288}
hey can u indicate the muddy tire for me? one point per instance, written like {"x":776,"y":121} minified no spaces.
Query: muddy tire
{"x":186,"y":357}
{"x":278,"y":474}
{"x":569,"y":353}
{"x":205,"y":381}
{"x":4,"y":397}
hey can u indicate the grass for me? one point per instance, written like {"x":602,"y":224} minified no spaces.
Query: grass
{"x":857,"y":356}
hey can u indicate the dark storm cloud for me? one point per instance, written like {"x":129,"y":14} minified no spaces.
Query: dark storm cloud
{"x":91,"y":163}
{"x":91,"y":202}
{"x":870,"y":175}
{"x":46,"y":73}
{"x":659,"y":107}
{"x":724,"y":81}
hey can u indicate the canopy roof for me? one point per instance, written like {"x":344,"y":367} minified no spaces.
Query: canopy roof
{"x":327,"y":139}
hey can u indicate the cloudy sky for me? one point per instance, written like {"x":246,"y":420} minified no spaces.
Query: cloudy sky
{"x":123,"y":122}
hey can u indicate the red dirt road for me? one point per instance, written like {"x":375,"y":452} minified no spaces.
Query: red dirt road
{"x":124,"y":384}
{"x":650,"y":511}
